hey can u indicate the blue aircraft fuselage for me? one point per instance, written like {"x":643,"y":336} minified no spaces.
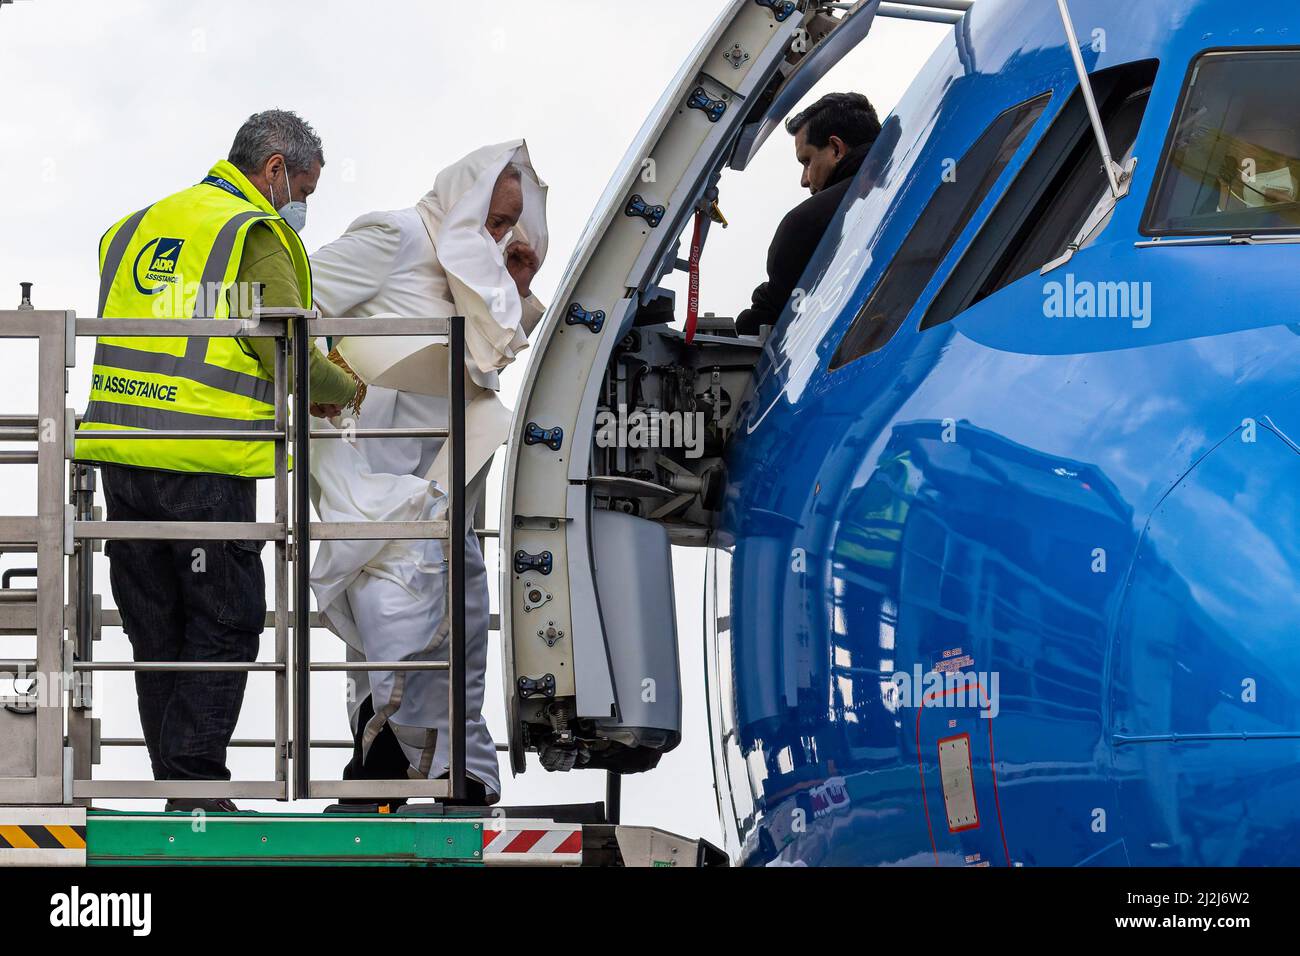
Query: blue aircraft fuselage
{"x":1019,"y":588}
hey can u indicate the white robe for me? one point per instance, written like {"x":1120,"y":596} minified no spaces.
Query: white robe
{"x":387,"y":599}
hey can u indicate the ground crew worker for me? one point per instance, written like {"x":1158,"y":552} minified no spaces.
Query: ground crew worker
{"x":194,"y":255}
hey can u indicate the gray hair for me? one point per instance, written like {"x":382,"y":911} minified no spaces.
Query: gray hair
{"x":276,"y":131}
{"x":512,"y":171}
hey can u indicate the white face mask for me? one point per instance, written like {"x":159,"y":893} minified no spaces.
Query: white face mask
{"x":294,"y":213}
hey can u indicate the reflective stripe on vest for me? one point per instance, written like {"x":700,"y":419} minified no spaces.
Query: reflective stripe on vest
{"x":116,"y":250}
{"x":162,"y":419}
{"x":183,"y":366}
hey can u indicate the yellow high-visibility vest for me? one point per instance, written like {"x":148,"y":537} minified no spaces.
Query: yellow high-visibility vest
{"x":178,"y":259}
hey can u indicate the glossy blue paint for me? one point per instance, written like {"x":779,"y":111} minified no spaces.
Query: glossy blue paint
{"x":1099,"y":515}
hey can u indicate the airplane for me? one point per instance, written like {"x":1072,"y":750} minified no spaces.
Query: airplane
{"x":999,"y":520}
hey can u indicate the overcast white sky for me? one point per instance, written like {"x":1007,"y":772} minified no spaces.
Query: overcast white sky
{"x":107,"y":105}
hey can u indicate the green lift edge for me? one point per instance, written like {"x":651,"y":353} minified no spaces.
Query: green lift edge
{"x":270,"y":839}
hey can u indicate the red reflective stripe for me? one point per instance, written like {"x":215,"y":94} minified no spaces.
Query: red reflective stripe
{"x":693,"y":297}
{"x":524,"y":842}
{"x":571,"y":845}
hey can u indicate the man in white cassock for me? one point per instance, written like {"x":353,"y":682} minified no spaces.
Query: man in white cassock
{"x":470,"y":247}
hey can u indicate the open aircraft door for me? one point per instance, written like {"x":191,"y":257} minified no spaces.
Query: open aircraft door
{"x":587,"y":616}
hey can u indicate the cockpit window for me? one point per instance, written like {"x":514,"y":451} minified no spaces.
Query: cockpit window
{"x":1232,"y":164}
{"x":928,"y":243}
{"x":1055,"y":195}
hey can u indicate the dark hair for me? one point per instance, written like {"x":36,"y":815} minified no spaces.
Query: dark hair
{"x":850,"y":116}
{"x":276,"y":131}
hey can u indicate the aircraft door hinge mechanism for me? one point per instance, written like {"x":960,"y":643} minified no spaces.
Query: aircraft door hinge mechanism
{"x":638,"y":207}
{"x":713,"y":109}
{"x":525,"y":562}
{"x":577,"y":315}
{"x":781,"y":9}
{"x":552,"y":438}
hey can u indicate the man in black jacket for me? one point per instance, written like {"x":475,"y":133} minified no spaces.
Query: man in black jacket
{"x":831,"y":139}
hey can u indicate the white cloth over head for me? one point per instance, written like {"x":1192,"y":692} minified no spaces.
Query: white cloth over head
{"x":387,"y":599}
{"x":479,"y":286}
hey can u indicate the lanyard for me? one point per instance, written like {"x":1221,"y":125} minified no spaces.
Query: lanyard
{"x":226,"y":185}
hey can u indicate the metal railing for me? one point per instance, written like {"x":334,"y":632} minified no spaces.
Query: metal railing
{"x":66,"y":527}
{"x":929,"y":11}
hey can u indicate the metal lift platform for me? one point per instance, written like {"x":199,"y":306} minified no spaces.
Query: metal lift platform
{"x":569,"y":835}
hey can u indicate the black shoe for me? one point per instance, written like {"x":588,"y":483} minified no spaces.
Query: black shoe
{"x":207,"y":805}
{"x":356,"y":806}
{"x":476,"y":794}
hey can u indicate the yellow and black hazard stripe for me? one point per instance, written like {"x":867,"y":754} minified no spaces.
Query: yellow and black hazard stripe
{"x":38,"y":836}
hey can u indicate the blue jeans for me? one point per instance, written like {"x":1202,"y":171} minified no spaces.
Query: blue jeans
{"x":187,"y":601}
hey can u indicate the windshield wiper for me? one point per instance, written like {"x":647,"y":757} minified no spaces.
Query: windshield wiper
{"x":1244,"y":239}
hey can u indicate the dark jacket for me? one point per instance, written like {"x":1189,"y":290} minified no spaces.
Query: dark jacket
{"x":795,"y":242}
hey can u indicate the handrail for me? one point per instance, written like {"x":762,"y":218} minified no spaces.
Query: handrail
{"x":259,"y":743}
{"x":197,"y":666}
{"x":924,"y":12}
{"x":268,"y":323}
{"x":456,"y":569}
